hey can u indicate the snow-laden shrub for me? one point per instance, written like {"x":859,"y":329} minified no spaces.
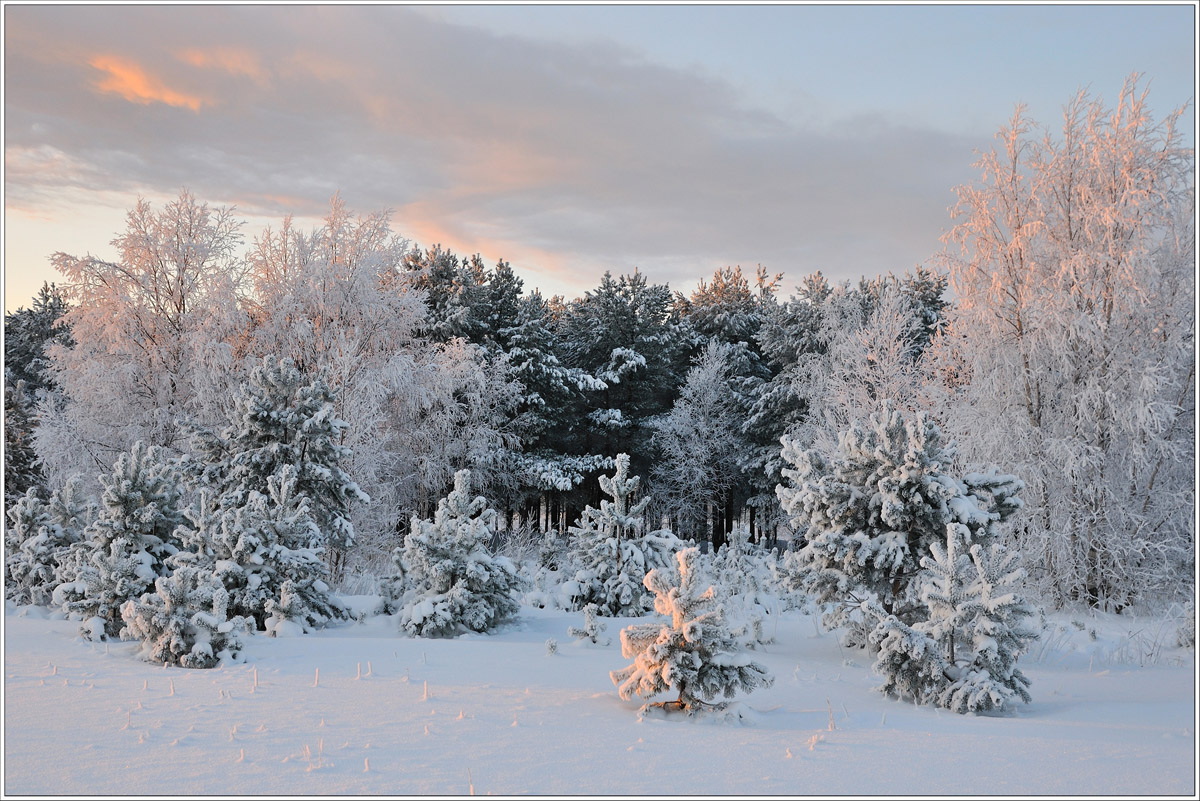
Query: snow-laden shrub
{"x":694,"y":652}
{"x":185,"y":621}
{"x":612,"y":553}
{"x":451,"y":583}
{"x":593,"y":627}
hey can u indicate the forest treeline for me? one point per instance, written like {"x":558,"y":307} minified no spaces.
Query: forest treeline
{"x":1053,"y":338}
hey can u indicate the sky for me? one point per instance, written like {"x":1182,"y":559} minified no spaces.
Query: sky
{"x":568,"y":140}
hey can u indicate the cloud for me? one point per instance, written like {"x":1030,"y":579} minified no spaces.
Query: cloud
{"x":129,"y":80}
{"x":565,"y":160}
{"x":234,"y":61}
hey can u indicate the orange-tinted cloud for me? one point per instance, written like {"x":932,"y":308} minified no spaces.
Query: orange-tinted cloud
{"x":234,"y":61}
{"x":129,"y":80}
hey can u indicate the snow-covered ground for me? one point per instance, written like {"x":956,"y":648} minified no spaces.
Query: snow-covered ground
{"x":360,"y":709}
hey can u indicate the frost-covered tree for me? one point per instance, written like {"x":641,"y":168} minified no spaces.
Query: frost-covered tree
{"x":1073,"y":263}
{"x":694,"y":653}
{"x":612,"y":552}
{"x":338,"y":302}
{"x":872,"y":510}
{"x":701,"y":443}
{"x":452,"y":584}
{"x":185,"y":621}
{"x":141,"y":327}
{"x":127,"y":546}
{"x":871,"y":356}
{"x":285,"y":421}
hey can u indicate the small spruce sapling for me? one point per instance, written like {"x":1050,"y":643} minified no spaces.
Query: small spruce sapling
{"x":694,"y":653}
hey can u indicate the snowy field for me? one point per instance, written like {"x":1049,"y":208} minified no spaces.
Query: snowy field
{"x":360,"y":709}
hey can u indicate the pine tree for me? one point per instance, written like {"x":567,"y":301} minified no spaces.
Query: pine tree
{"x":37,"y":542}
{"x":870,"y":512}
{"x":612,"y":553}
{"x":963,"y":655}
{"x":695,"y":654}
{"x":283,"y":421}
{"x":185,"y":621}
{"x":628,"y":334}
{"x":451,"y":583}
{"x":127,"y":546}
{"x":28,"y":335}
{"x":22,"y":470}
{"x":256,"y":548}
{"x":996,"y":630}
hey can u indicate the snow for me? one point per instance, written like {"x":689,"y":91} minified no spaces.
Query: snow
{"x":360,"y":709}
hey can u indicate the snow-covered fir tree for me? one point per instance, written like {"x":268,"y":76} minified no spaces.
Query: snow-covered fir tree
{"x":126,"y":547}
{"x":593,"y":627}
{"x":283,"y":419}
{"x":452,"y":584}
{"x":612,"y":553}
{"x":695,"y":654}
{"x":257,"y":548}
{"x":185,"y":621}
